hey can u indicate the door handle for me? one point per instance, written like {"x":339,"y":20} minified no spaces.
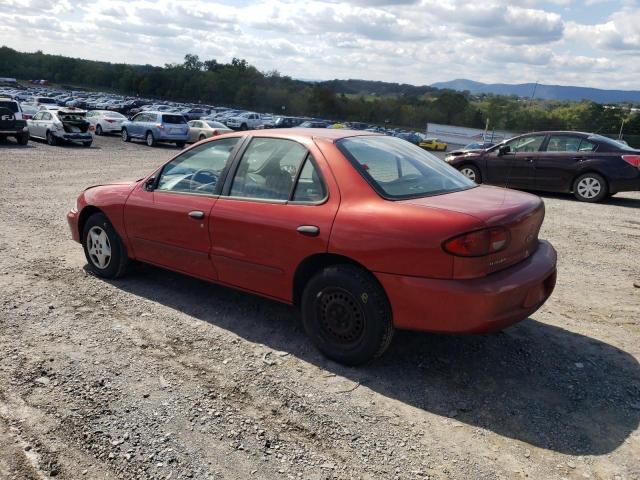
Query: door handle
{"x":579,"y":159}
{"x":197,"y":214}
{"x":529,"y":159}
{"x":309,"y":230}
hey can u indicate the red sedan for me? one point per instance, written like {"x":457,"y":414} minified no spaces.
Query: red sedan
{"x":365,"y":233}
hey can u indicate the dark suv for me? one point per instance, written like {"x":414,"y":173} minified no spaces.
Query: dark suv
{"x":591,"y":166}
{"x":11,"y":122}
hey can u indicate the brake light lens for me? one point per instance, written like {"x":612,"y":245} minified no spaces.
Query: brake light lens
{"x":478,"y":243}
{"x":160,"y":126}
{"x":633,"y":160}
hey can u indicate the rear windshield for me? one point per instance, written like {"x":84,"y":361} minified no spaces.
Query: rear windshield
{"x":216,"y":125}
{"x":13,"y":106}
{"x":397,"y":169}
{"x":173,"y":119}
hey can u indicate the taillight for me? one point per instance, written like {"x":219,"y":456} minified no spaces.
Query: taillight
{"x":215,"y":132}
{"x":633,"y":160}
{"x":478,"y":243}
{"x":108,"y":120}
{"x":26,"y":116}
{"x":160,"y":126}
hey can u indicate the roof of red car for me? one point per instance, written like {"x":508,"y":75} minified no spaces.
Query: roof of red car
{"x":332,"y":134}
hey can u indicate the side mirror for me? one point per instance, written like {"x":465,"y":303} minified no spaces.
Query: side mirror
{"x":150,"y":184}
{"x":505,"y":149}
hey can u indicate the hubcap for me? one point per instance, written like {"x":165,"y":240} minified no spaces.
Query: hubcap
{"x":589,"y":187}
{"x":469,"y":173}
{"x":99,"y":247}
{"x":341,"y":316}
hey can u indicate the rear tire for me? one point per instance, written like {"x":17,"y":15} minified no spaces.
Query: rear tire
{"x":471,"y":172}
{"x":590,"y":187}
{"x":150,"y":139}
{"x":244,"y":127}
{"x":201,"y":137}
{"x":51,"y":140}
{"x":105,"y":252}
{"x":346,"y":314}
{"x":180,"y":144}
{"x":23,"y":139}
{"x":125,"y":135}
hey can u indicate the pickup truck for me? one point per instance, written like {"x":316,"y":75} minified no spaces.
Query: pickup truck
{"x":245,"y":121}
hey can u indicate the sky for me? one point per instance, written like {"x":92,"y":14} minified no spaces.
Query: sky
{"x":592,"y":43}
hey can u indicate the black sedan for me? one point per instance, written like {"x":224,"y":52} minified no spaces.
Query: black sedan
{"x":591,"y":166}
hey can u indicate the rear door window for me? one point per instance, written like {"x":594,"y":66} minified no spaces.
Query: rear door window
{"x":569,"y":143}
{"x":268,"y":169}
{"x":309,"y":187}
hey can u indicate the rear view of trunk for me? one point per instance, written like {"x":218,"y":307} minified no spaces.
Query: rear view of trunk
{"x":75,"y":126}
{"x":511,"y":222}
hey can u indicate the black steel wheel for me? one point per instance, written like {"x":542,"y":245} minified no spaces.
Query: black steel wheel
{"x":346,"y":314}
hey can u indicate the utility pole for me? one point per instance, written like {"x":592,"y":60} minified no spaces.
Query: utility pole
{"x":535,"y":87}
{"x":621,"y":127}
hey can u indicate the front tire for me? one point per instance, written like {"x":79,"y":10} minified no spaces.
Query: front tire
{"x":472,"y":173}
{"x":105,"y":252}
{"x":125,"y":135}
{"x":346,"y":314}
{"x":590,"y":187}
{"x":244,"y":127}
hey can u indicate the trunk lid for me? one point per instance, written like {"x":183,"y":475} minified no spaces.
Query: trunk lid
{"x":520,"y":213}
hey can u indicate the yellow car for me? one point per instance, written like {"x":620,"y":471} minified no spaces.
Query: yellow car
{"x":432,"y":144}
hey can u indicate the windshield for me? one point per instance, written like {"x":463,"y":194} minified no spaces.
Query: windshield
{"x":397,"y":169}
{"x":612,"y":142}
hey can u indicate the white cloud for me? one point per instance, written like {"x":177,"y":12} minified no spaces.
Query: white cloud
{"x":407,"y":41}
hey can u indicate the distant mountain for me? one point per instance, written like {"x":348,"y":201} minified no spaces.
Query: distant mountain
{"x":547,"y":92}
{"x":352,"y":86}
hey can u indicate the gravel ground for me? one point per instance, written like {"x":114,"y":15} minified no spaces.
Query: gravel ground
{"x":162,"y":376}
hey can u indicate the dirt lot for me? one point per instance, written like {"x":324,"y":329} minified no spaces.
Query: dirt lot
{"x":162,"y":376}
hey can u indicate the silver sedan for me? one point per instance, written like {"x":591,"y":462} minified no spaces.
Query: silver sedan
{"x":201,"y":129}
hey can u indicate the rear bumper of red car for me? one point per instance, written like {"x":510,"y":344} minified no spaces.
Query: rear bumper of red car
{"x":473,"y":306}
{"x":72,"y":220}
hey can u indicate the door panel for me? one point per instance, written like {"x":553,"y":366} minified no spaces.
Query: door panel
{"x":560,"y":163}
{"x":518,"y":167}
{"x":170,"y":225}
{"x":257,"y":246}
{"x":162,"y":232}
